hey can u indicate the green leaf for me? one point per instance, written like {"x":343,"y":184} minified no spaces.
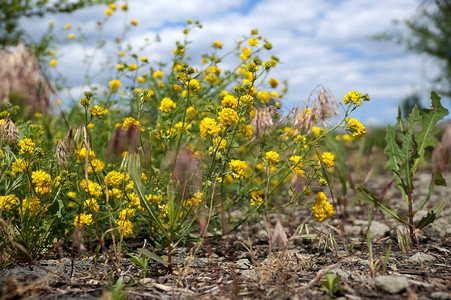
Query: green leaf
{"x":432,"y":214}
{"x":377,"y":203}
{"x":153,"y":256}
{"x":392,"y":150}
{"x":430,"y":116}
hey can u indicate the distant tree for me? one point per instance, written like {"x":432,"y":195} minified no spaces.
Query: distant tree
{"x":11,"y":11}
{"x":429,"y":32}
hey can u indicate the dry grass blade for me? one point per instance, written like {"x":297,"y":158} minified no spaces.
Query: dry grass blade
{"x":263,"y":121}
{"x":8,"y":131}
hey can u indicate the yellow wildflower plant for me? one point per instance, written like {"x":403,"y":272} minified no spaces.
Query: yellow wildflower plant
{"x":272,"y":157}
{"x":82,"y":219}
{"x":322,"y":209}
{"x":256,"y":200}
{"x":27,"y":146}
{"x":158,"y":74}
{"x":8,"y":201}
{"x":228,"y":117}
{"x":98,"y":111}
{"x":273,"y":82}
{"x":115,"y":84}
{"x":328,"y":159}
{"x":217,"y":45}
{"x":353,"y":97}
{"x":125,"y":227}
{"x":209,"y":127}
{"x":92,"y":204}
{"x":297,"y":164}
{"x":230,"y":102}
{"x":193,"y":85}
{"x":41,"y":181}
{"x":238,"y":168}
{"x":245,"y":53}
{"x":356,"y":128}
{"x":166,"y":105}
{"x":130,"y":122}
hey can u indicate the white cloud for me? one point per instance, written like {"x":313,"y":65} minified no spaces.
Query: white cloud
{"x":318,"y":42}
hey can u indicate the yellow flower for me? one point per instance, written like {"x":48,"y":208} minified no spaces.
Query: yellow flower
{"x":272,"y":157}
{"x":71,"y":36}
{"x":144,"y":59}
{"x":32,"y":206}
{"x":229,"y":101}
{"x":68,"y":26}
{"x":253,"y":42}
{"x":143,"y":177}
{"x":328,"y":159}
{"x":19,"y":166}
{"x":132,"y":67}
{"x":167,"y":105}
{"x":347,"y":138}
{"x":273,"y":82}
{"x":193,"y":85}
{"x":92,"y":204}
{"x":53,"y":63}
{"x":297,"y":164}
{"x":228,"y":116}
{"x":256,"y":200}
{"x":158,"y":74}
{"x":264,"y":96}
{"x":134,"y":22}
{"x":71,"y":195}
{"x":126,"y":214}
{"x":27,"y":146}
{"x":114,"y":84}
{"x":245,"y":53}
{"x":356,"y":128}
{"x":353,"y":97}
{"x":140,"y":79}
{"x":217,"y":45}
{"x":238,"y":168}
{"x":114,"y":179}
{"x":113,"y":6}
{"x":82,"y":219}
{"x":126,"y":227}
{"x":124,"y":6}
{"x":305,"y":115}
{"x":194,"y":201}
{"x":98,"y":111}
{"x":93,"y":188}
{"x":81,"y":152}
{"x":96,"y":165}
{"x":6,"y":202}
{"x":322,"y":209}
{"x":209,"y":127}
{"x":130,"y":121}
{"x":108,"y":12}
{"x":154,"y":199}
{"x":121,"y":53}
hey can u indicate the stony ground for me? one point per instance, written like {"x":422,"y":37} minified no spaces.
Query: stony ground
{"x":239,"y":265}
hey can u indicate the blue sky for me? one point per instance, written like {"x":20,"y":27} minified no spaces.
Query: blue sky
{"x":318,"y":42}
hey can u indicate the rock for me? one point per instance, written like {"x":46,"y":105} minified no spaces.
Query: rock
{"x":244,"y":263}
{"x":421,"y":259}
{"x":391,"y":284}
{"x":441,"y":296}
{"x":377,"y":229}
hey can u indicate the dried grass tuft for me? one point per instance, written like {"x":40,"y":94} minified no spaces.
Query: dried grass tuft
{"x":323,"y":106}
{"x":21,"y":76}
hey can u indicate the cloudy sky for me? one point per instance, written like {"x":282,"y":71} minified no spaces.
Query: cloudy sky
{"x":324,"y":42}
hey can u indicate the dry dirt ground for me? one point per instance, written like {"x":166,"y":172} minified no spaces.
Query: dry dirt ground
{"x":239,"y":265}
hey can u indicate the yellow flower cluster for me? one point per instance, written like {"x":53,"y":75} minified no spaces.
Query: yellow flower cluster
{"x":82,"y":219}
{"x":27,"y":146}
{"x":328,"y":159}
{"x":273,"y":82}
{"x":194,"y":201}
{"x":19,"y":166}
{"x":272,"y":157}
{"x":130,"y":121}
{"x":322,"y":209}
{"x":297,"y":165}
{"x":353,"y":97}
{"x":238,"y":168}
{"x":41,"y":182}
{"x":114,"y":85}
{"x":209,"y":127}
{"x":193,"y":85}
{"x":166,"y":105}
{"x":229,"y":101}
{"x":228,"y":116}
{"x":92,"y":204}
{"x":256,"y":200}
{"x":245,"y":53}
{"x":98,"y":111}
{"x":93,"y":188}
{"x":6,"y":202}
{"x":356,"y":128}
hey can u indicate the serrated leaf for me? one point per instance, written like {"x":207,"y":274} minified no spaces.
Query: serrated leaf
{"x":426,"y":137}
{"x":153,"y":256}
{"x":392,"y":150}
